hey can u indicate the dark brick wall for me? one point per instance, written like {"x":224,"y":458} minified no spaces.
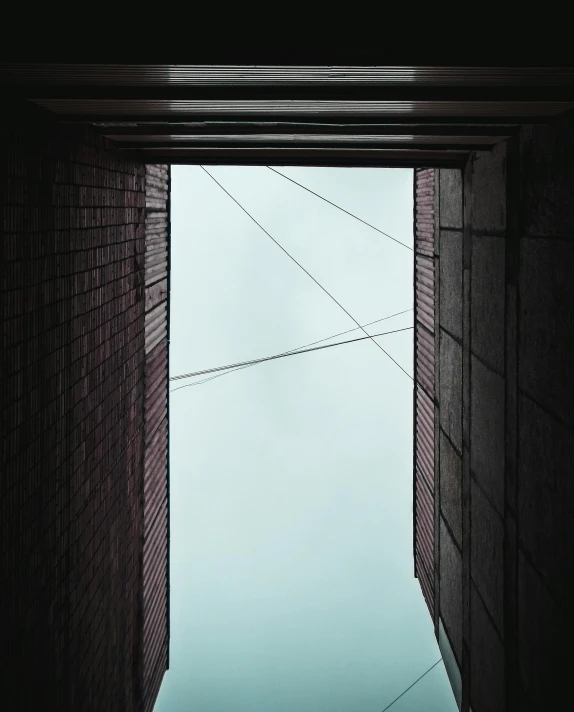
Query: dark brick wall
{"x":425,"y":422}
{"x":72,"y":398}
{"x":156,"y":478}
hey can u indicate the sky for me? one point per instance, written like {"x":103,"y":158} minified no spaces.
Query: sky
{"x":292,"y":584}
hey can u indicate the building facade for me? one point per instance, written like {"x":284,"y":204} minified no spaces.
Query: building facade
{"x":84,"y":505}
{"x":84,"y":488}
{"x":493,"y":425}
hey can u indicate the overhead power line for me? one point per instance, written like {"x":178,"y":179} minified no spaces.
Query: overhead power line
{"x":282,"y":355}
{"x":304,"y":270}
{"x":341,"y":333}
{"x":411,"y":686}
{"x":386,"y":234}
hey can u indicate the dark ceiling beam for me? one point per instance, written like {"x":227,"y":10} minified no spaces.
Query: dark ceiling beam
{"x":264,"y":119}
{"x":436,"y":160}
{"x":297,"y":145}
{"x":225,"y":128}
{"x":327,"y":91}
{"x":303,"y":156}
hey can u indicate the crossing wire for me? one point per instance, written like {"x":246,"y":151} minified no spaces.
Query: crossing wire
{"x":282,"y":355}
{"x":386,"y":234}
{"x":320,"y":341}
{"x":304,"y":270}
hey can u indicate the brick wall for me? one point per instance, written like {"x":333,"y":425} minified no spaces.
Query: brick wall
{"x":156,"y":500}
{"x":73,"y":419}
{"x":424,"y":389}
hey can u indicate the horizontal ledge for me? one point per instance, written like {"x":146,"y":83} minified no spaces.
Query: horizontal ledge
{"x":317,"y":90}
{"x":268,"y":151}
{"x":384,"y":159}
{"x":307,"y":145}
{"x":264,"y":118}
{"x":292,"y":128}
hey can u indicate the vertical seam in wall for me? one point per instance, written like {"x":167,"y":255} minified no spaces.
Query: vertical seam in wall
{"x":466,"y":424}
{"x":512,"y":265}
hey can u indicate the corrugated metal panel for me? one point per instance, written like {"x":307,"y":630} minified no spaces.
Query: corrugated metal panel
{"x":156,"y":394}
{"x":155,"y":493}
{"x":155,"y":326}
{"x":190,"y":75}
{"x":424,"y":223}
{"x":425,"y":358}
{"x":156,"y":294}
{"x":155,"y":266}
{"x":424,"y":293}
{"x":425,"y":435}
{"x":154,"y":544}
{"x":159,"y":107}
{"x":424,"y":420}
{"x":425,"y":523}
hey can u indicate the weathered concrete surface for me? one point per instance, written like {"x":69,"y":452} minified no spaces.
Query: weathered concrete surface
{"x":546,"y":333}
{"x":487,"y":290}
{"x":544,"y":642}
{"x":451,"y":388}
{"x":451,"y":487}
{"x":487,"y":431}
{"x":451,"y":590}
{"x":450,"y":266}
{"x":487,"y":555}
{"x":451,"y":198}
{"x":505,"y":392}
{"x":489,"y":192}
{"x":547,"y":173}
{"x":545,"y":497}
{"x":486,"y":660}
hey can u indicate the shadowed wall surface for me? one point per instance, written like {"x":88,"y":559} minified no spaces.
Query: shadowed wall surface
{"x":73,"y":361}
{"x":504,"y":250}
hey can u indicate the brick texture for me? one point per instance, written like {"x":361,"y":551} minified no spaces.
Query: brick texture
{"x":424,"y":391}
{"x":156,"y":495}
{"x":73,"y":358}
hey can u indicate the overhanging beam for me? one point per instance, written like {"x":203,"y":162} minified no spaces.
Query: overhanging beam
{"x":297,"y":144}
{"x":326,"y":91}
{"x":302,"y":157}
{"x":223,"y":128}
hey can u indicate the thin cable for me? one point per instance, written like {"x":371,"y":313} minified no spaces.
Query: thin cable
{"x":341,"y":333}
{"x":283,"y":355}
{"x":410,"y":688}
{"x":304,"y":270}
{"x":386,"y":234}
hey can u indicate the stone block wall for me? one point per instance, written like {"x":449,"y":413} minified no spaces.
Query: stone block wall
{"x":504,"y":380}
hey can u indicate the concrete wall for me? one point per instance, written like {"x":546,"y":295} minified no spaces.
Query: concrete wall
{"x":449,"y":451}
{"x":543,"y":492}
{"x":505,"y":384}
{"x":73,"y":360}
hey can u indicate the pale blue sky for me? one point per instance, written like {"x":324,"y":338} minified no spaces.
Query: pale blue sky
{"x":292,"y":582}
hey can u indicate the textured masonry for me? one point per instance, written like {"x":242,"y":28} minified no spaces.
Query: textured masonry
{"x":76,"y":377}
